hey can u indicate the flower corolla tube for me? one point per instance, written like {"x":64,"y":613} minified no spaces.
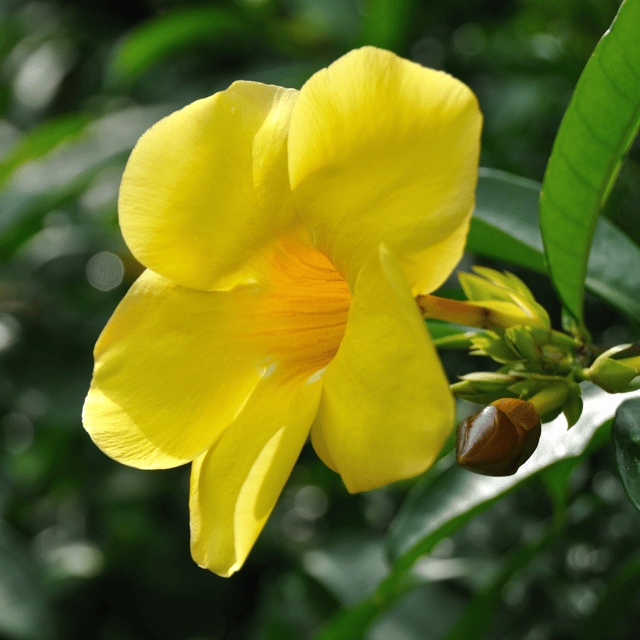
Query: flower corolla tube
{"x":285,"y":235}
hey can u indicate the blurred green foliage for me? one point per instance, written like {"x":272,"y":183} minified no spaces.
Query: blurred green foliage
{"x":90,"y":549}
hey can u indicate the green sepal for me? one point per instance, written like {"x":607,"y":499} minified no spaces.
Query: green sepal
{"x":483,"y":387}
{"x":532,"y":309}
{"x":503,"y":287}
{"x":562,"y":340}
{"x":634,"y":385}
{"x":506,"y":279}
{"x":478,"y":289}
{"x":463,"y":392}
{"x":488,"y":379}
{"x":550,"y":416}
{"x":521,"y":340}
{"x":619,"y":352}
{"x":524,"y":389}
{"x":491,"y":344}
{"x":455,"y":341}
{"x":573,"y":409}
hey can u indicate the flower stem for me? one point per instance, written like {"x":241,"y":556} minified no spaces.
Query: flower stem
{"x":551,"y":398}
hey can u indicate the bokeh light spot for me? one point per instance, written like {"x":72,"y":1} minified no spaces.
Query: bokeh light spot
{"x":105,"y":271}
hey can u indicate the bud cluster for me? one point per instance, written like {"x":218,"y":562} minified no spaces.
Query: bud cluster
{"x":534,"y":357}
{"x":539,"y":375}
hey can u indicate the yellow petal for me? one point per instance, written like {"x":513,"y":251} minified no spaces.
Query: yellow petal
{"x":384,"y":150}
{"x":207,"y":186}
{"x":386,"y":408}
{"x":235,"y":485}
{"x":445,"y":254}
{"x":171,"y":373}
{"x":300,"y":313}
{"x":175,"y":365}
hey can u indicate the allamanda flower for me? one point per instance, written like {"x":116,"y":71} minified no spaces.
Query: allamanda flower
{"x":285,"y":236}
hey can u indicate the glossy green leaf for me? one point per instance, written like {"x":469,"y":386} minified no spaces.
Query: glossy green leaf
{"x":505,"y":227}
{"x":626,"y":439}
{"x":169,"y":33}
{"x":597,"y":130}
{"x":448,"y":500}
{"x":505,"y":221}
{"x":613,"y":270}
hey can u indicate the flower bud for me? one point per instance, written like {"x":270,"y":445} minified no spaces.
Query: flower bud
{"x":522,"y":341}
{"x":489,"y":343}
{"x":611,"y":375}
{"x":499,"y":439}
{"x":506,"y":296}
{"x":488,"y":380}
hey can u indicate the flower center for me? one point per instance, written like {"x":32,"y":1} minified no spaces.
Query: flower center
{"x":302,"y":309}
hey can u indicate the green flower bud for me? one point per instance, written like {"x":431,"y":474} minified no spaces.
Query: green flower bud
{"x":491,"y":344}
{"x":507,"y":280}
{"x":611,"y":375}
{"x":488,"y":381}
{"x":521,"y":340}
{"x":507,"y":296}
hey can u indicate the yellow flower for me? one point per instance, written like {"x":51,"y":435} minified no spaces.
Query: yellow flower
{"x":286,"y":234}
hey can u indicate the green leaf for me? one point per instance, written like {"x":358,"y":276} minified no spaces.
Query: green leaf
{"x":450,"y":336}
{"x":24,"y":610}
{"x":386,"y":23}
{"x":613,"y":271}
{"x":350,"y":623}
{"x":426,"y":613}
{"x":448,"y":496}
{"x":556,"y":481}
{"x":626,"y":439}
{"x":348,"y":565}
{"x":505,"y":227}
{"x":167,"y":34}
{"x":42,"y":139}
{"x":615,"y":603}
{"x":66,"y":170}
{"x":505,"y":221}
{"x":597,"y":130}
{"x":477,"y":619}
{"x":449,"y":500}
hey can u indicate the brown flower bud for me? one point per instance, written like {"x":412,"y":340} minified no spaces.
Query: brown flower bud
{"x":499,"y":439}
